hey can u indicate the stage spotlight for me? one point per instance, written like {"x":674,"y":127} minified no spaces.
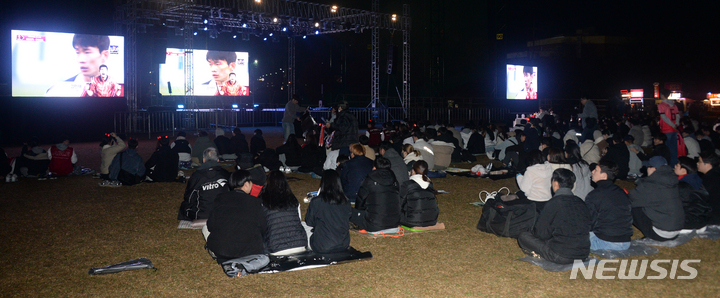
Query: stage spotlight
{"x":163,"y":21}
{"x":234,"y":36}
{"x":195,"y":33}
{"x":234,"y":106}
{"x":205,"y":19}
{"x":393,"y":17}
{"x":244,"y":25}
{"x":275,"y":19}
{"x":333,"y":8}
{"x":304,"y":36}
{"x":284,"y":29}
{"x":205,"y":28}
{"x":256,"y":105}
{"x":258,"y":1}
{"x":265,"y":38}
{"x":317,"y":24}
{"x":270,"y":34}
{"x":317,"y":32}
{"x":181,"y":106}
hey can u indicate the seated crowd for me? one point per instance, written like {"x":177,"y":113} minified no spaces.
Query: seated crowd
{"x":380,"y":180}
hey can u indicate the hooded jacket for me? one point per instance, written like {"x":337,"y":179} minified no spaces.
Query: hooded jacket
{"x":417,"y":203}
{"x":380,"y":198}
{"x":201,"y":143}
{"x":222,"y":143}
{"x":237,"y":227}
{"x":131,"y":162}
{"x":610,"y":212}
{"x":659,"y":198}
{"x":536,"y":182}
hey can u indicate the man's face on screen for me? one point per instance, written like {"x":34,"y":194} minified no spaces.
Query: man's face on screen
{"x":232,"y":79}
{"x":220,"y":70}
{"x":90,"y":59}
{"x":528,"y":80}
{"x":103,"y":73}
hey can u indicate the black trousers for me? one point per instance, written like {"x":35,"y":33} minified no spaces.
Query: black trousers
{"x":529,"y":244}
{"x":643,"y":223}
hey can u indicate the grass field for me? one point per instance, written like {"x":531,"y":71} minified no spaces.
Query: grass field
{"x":56,"y":230}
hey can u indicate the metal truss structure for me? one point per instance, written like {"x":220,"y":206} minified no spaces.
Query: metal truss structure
{"x":244,"y":17}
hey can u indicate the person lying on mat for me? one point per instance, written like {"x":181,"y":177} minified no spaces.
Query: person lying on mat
{"x":328,"y":215}
{"x":561,"y":232}
{"x":377,"y":206}
{"x":285,"y":234}
{"x":417,"y":199}
{"x":610,"y":210}
{"x":237,"y":226}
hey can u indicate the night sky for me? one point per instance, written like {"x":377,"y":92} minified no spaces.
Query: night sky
{"x":675,"y":42}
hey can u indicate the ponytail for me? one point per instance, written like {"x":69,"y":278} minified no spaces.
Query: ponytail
{"x":421,"y":167}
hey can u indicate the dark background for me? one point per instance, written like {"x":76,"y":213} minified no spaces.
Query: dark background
{"x":455,"y":55}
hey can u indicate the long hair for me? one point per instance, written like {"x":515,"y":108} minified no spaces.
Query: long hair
{"x":277,"y":193}
{"x":331,"y":190}
{"x":238,"y":179}
{"x":556,"y":156}
{"x":574,"y":155}
{"x":421,"y":168}
{"x":292,"y":142}
{"x":535,"y":157}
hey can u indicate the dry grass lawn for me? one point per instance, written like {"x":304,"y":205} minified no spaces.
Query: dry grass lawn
{"x":56,"y":230}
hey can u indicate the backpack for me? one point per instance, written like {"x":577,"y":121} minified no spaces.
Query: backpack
{"x":507,"y":220}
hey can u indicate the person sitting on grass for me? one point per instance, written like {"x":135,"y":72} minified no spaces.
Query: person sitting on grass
{"x":201,"y":143}
{"x":62,"y":158}
{"x":656,"y":207}
{"x":410,"y":156}
{"x":237,"y":227}
{"x":398,"y":165}
{"x":290,"y":151}
{"x":222,"y":143}
{"x":163,"y":164}
{"x":354,"y":171}
{"x":285,"y":234}
{"x":561,"y":233}
{"x":257,"y":142}
{"x":417,"y":199}
{"x":535,"y":183}
{"x":369,"y":151}
{"x":129,"y":161}
{"x":709,"y":165}
{"x":208,"y":181}
{"x":693,"y":195}
{"x":182,"y":148}
{"x":610,"y":210}
{"x":378,"y":202}
{"x":328,"y":214}
{"x":111,"y":145}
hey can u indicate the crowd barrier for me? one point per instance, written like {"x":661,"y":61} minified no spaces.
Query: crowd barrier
{"x":152,"y":122}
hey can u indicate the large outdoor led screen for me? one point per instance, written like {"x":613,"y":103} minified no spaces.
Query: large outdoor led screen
{"x":221,"y":73}
{"x":67,"y":64}
{"x":521,"y":82}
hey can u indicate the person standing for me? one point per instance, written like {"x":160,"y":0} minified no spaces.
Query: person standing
{"x":669,"y":121}
{"x":291,"y":110}
{"x":589,"y":111}
{"x":346,"y":129}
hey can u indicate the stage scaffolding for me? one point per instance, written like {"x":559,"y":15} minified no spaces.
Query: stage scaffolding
{"x":245,"y":17}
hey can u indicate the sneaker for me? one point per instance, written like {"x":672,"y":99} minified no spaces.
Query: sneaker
{"x":96,"y":176}
{"x":181,"y":174}
{"x":14,"y":178}
{"x":8,"y":178}
{"x":108,"y":183}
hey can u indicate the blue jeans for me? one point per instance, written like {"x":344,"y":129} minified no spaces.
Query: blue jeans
{"x":599,"y":244}
{"x":288,"y":129}
{"x":673,"y":145}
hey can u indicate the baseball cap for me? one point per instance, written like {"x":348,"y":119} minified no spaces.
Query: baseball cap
{"x":655,"y":162}
{"x":628,"y":138}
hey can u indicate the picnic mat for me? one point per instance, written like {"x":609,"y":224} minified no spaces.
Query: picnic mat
{"x":680,"y":240}
{"x":192,"y":225}
{"x":400,"y":231}
{"x":711,"y":232}
{"x":636,"y":249}
{"x":310,"y":260}
{"x":554,"y":267}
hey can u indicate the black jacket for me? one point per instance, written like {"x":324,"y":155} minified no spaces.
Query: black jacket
{"x":346,"y":130}
{"x":311,"y":159}
{"x":662,"y":150}
{"x":711,"y":182}
{"x":202,"y":188}
{"x":532,"y":138}
{"x":565,"y":224}
{"x":330,"y":226}
{"x":610,"y":212}
{"x":292,"y":153}
{"x":222,"y":143}
{"x":476,"y":143}
{"x":698,"y":212}
{"x":257,"y":144}
{"x":620,"y":155}
{"x":236,"y":226}
{"x":379,"y":197}
{"x":353,"y":173}
{"x":659,"y":198}
{"x":284,"y":229}
{"x":238,"y":144}
{"x":419,"y":207}
{"x":165,"y":161}
{"x":182,"y":146}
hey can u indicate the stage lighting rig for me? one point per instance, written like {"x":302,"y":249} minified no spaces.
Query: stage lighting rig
{"x":333,"y":9}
